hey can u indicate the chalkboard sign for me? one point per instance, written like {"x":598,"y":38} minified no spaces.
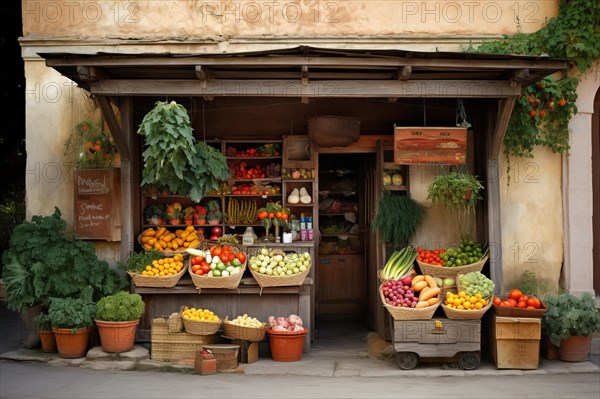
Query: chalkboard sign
{"x":97,"y":204}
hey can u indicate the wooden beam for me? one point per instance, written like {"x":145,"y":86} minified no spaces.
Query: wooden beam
{"x":291,"y":88}
{"x":127,"y":181}
{"x":505,"y":108}
{"x":91,"y":74}
{"x":494,"y":223}
{"x":304,"y":75}
{"x":113,"y":125}
{"x":203,"y":73}
{"x":398,"y":62}
{"x":521,"y":75}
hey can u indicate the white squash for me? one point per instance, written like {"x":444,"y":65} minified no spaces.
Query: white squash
{"x":304,"y":197}
{"x":294,"y":197}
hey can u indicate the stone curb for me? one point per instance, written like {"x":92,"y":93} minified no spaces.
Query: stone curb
{"x":314,"y":364}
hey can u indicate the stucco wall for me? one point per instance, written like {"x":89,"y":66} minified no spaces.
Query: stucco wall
{"x":53,"y":106}
{"x":212,"y":19}
{"x":532,"y":221}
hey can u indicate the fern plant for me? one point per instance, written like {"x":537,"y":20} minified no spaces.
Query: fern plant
{"x":173,"y":158}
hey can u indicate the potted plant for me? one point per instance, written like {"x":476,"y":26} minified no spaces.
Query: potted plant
{"x":174,"y":213}
{"x":42,"y":321}
{"x":398,"y":218}
{"x":71,"y":320}
{"x":117,"y":318}
{"x":457,"y":193}
{"x":213,"y":215}
{"x":90,"y":146}
{"x":172,"y":157}
{"x":188,"y":215}
{"x":569,"y":324}
{"x":154,"y":214}
{"x":200,"y":215}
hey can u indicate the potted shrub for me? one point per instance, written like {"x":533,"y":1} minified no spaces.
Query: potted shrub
{"x":117,"y":318}
{"x":214,"y":214}
{"x":42,"y":321}
{"x":569,"y":324}
{"x":200,"y":215}
{"x":188,"y":215}
{"x":155,"y":214}
{"x":174,"y":213}
{"x":72,"y":319}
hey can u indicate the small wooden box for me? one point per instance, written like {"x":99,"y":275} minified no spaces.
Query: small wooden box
{"x":515,"y":342}
{"x":178,"y":346}
{"x":248,"y":352}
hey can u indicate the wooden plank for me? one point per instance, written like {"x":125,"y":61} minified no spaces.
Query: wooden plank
{"x":259,"y":74}
{"x":398,"y":62}
{"x":127,"y":182}
{"x":292,"y":88}
{"x":504,"y":112}
{"x":494,"y":223}
{"x":120,"y":141}
{"x":241,"y":290}
{"x":405,"y":72}
{"x":430,"y":145}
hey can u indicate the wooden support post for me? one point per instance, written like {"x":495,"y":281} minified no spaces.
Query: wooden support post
{"x":115,"y":129}
{"x":404,"y":73}
{"x":493,"y":193}
{"x":127,"y":178}
{"x":505,"y":110}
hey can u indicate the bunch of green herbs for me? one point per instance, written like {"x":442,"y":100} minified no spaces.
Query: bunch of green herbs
{"x":398,"y":218}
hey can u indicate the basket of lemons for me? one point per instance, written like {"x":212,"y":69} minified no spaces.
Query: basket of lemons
{"x":200,"y":321}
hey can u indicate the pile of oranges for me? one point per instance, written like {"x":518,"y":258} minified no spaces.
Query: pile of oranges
{"x":199,"y":315}
{"x":164,"y":266}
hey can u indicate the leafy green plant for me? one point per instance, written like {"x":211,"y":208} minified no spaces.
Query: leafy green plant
{"x":42,"y":262}
{"x":214,"y":211}
{"x":42,"y":321}
{"x":154,"y":212}
{"x":122,"y":306}
{"x":532,"y":286}
{"x":568,"y":315}
{"x":173,"y":158}
{"x":457,"y":193}
{"x":72,"y":313}
{"x":398,"y":218}
{"x":138,"y":261}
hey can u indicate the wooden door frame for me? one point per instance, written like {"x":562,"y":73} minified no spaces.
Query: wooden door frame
{"x":596,"y":191}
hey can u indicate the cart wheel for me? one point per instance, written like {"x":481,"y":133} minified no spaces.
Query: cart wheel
{"x":407,"y":360}
{"x":469,"y":361}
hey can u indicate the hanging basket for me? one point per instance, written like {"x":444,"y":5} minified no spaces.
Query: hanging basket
{"x":333,"y":131}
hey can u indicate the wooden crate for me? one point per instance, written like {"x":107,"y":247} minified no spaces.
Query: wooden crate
{"x":175,"y":347}
{"x":515,"y":342}
{"x":437,"y":337}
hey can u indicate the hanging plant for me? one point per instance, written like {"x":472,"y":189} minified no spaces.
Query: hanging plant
{"x":398,"y":218}
{"x":172,"y":157}
{"x":457,"y":193}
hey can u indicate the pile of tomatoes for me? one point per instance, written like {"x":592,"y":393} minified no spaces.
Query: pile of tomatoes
{"x":516,"y":299}
{"x":430,"y":257}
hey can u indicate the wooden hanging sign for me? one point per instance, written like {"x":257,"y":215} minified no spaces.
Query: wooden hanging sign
{"x":430,"y":145}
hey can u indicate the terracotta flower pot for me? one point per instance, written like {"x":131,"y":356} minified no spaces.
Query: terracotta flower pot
{"x":286,"y":346}
{"x":189,"y":222}
{"x":575,"y":349}
{"x":214,"y":222}
{"x":117,"y":336}
{"x":48,"y":341}
{"x":72,"y":344}
{"x":175,"y":222}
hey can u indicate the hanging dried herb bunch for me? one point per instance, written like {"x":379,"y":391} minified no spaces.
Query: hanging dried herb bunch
{"x":398,"y":218}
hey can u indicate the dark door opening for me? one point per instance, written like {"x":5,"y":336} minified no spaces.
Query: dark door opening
{"x":341,"y":268}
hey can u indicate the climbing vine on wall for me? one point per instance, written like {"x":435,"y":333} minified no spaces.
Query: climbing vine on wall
{"x":542,"y":113}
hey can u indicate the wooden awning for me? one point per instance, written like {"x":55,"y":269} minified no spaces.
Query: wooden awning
{"x":307,"y":72}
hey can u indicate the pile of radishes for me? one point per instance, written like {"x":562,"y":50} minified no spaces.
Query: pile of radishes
{"x":292,"y":323}
{"x":400,"y":293}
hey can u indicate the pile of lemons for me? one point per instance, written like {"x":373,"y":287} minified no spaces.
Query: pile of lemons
{"x":462,"y":301}
{"x":165,"y":266}
{"x":199,"y":315}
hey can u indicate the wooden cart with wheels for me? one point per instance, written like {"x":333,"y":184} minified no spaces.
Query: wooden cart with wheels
{"x":437,"y":340}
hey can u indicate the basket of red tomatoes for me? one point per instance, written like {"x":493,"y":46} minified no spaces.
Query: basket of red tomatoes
{"x":217,"y":266}
{"x":517,"y":304}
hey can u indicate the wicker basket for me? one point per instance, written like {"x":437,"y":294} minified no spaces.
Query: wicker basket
{"x":156,"y":281}
{"x":333,"y":131}
{"x":457,"y":314}
{"x":264,"y":280}
{"x":199,"y":327}
{"x":452,"y":272}
{"x":230,"y":282}
{"x":412,"y":272}
{"x":251,"y":334}
{"x":400,"y":313}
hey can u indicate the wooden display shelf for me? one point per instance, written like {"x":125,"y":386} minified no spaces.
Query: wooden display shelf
{"x":333,"y":214}
{"x":340,"y":234}
{"x":395,"y":188}
{"x":336,"y":192}
{"x":180,"y":196}
{"x":299,"y":205}
{"x":254,"y":158}
{"x":261,"y":179}
{"x":253,"y":195}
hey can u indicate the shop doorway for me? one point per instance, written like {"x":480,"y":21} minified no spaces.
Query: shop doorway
{"x":341,"y":270}
{"x":596,"y":190}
